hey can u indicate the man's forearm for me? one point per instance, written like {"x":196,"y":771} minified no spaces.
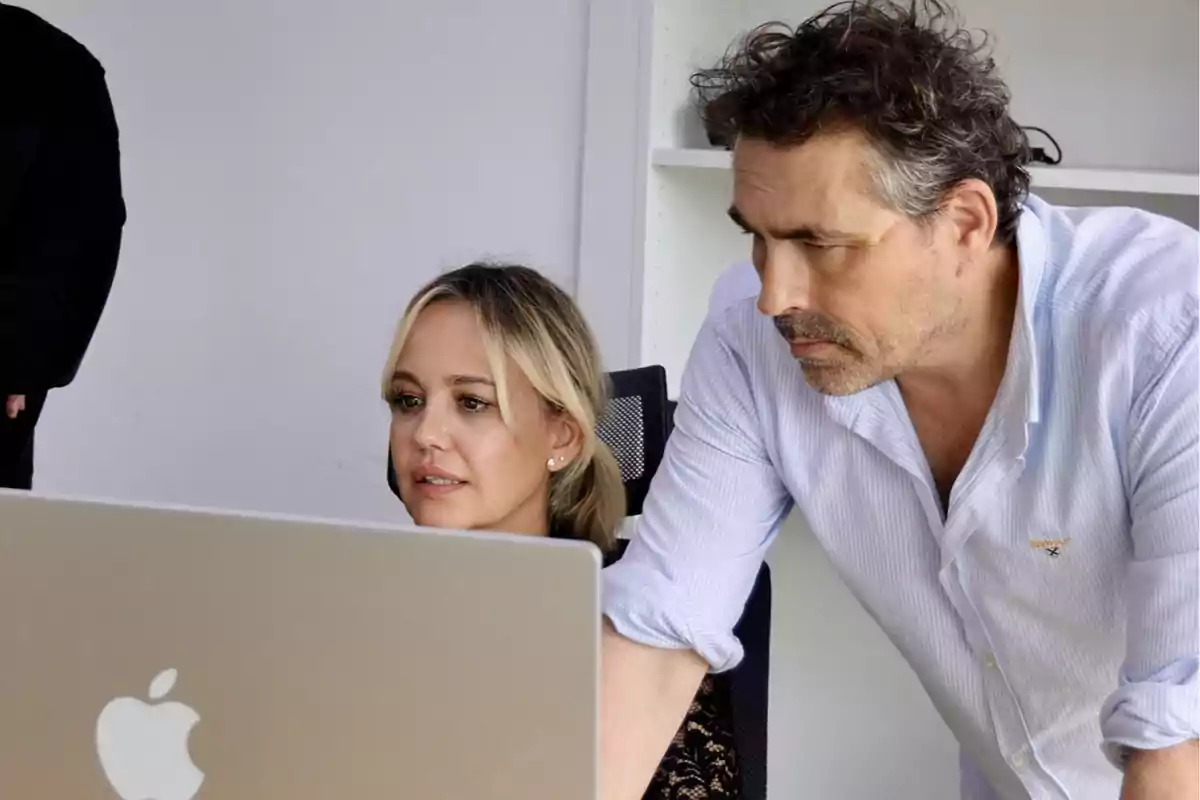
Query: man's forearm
{"x":1172,"y":773}
{"x":645,"y":693}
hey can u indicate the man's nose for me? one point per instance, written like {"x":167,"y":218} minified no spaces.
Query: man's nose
{"x":785,"y":284}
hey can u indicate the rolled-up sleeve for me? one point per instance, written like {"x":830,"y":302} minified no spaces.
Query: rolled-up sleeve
{"x":714,"y":506}
{"x":1157,"y":702}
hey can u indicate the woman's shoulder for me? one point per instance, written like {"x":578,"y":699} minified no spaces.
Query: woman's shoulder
{"x":711,"y":712}
{"x":702,"y":761}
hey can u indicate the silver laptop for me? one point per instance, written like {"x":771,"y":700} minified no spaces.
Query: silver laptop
{"x":166,"y":654}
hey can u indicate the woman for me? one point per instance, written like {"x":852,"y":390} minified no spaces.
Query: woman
{"x":495,"y":386}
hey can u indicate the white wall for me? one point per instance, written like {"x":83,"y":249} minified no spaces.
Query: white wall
{"x":294,"y":170}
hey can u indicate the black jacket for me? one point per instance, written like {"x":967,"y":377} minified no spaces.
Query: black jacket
{"x":61,"y":208}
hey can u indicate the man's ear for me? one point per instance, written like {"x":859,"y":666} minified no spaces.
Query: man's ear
{"x":971,"y":208}
{"x":566,"y":438}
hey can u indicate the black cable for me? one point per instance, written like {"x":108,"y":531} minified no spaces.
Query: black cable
{"x":1038,"y":154}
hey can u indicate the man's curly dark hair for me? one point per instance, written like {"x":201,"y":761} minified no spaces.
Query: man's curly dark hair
{"x":922,"y":89}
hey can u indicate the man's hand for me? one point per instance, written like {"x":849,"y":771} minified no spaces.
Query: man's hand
{"x":14,"y":405}
{"x":1172,"y":773}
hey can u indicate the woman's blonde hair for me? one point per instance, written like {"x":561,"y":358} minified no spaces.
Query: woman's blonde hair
{"x":528,"y":318}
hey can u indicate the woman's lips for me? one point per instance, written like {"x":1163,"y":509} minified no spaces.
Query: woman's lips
{"x":435,"y":489}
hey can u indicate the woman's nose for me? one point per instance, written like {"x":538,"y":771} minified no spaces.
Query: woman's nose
{"x":432,"y":430}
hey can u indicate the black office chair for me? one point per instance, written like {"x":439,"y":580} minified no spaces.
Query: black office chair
{"x":636,"y":426}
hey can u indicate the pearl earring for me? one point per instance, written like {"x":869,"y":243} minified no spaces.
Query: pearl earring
{"x":550,"y":463}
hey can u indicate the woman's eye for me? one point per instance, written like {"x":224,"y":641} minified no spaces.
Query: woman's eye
{"x":474,"y":404}
{"x":406,"y":402}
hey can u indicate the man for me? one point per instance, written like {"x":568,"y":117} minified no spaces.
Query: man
{"x":61,"y":215}
{"x":985,"y":406}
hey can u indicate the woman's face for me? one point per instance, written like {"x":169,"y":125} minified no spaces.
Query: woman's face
{"x":458,"y":465}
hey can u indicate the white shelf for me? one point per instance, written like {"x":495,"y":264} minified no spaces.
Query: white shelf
{"x":1097,"y":180}
{"x":1116,"y":180}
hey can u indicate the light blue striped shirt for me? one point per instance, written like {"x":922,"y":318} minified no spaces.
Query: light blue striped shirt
{"x":1056,"y":608}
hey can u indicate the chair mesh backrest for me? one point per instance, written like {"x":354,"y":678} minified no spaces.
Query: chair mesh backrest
{"x":623,"y":429}
{"x":634,"y":426}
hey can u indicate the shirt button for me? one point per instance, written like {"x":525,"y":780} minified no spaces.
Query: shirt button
{"x":989,"y":660}
{"x":1019,"y":759}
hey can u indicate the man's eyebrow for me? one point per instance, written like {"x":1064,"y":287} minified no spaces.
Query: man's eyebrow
{"x":806,"y":233}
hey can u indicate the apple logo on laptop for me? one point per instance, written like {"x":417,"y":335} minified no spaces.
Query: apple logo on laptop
{"x":143,"y":747}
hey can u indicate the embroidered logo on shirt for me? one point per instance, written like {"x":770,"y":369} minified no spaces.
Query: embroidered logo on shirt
{"x":1051,"y":547}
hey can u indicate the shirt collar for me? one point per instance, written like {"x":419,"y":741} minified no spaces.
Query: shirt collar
{"x":1031,"y":265}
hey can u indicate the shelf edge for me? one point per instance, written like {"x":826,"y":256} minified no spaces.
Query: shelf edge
{"x":1122,"y":181}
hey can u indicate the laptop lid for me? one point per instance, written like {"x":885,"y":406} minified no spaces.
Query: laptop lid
{"x":167,"y":654}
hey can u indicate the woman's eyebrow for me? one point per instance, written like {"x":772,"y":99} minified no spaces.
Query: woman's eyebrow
{"x":459,"y":380}
{"x":403,"y":375}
